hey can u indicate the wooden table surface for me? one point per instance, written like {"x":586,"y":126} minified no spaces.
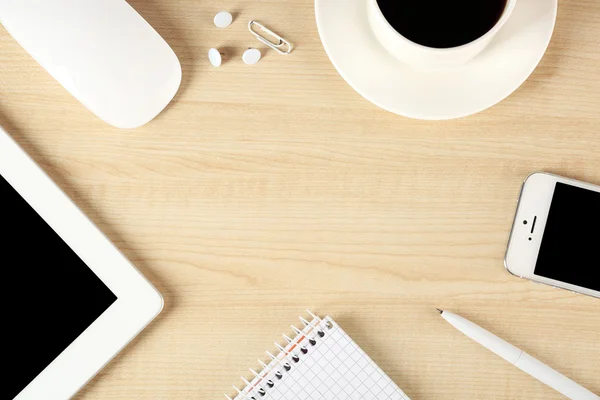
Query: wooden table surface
{"x":268,"y":189}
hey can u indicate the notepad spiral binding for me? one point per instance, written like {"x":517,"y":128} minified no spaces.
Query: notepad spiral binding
{"x":284,"y":362}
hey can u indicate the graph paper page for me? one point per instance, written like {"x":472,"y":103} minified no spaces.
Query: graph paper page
{"x":334,"y":368}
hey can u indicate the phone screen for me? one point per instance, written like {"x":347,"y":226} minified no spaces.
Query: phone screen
{"x":570,"y":248}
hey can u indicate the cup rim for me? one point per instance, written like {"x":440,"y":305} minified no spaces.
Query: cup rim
{"x":510,"y":5}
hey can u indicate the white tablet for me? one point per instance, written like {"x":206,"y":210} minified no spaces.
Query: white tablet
{"x":73,"y":300}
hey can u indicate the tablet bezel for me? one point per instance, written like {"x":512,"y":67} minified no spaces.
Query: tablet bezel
{"x":138,"y":302}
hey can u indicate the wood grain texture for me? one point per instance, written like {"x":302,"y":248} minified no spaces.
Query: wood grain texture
{"x":264,"y":190}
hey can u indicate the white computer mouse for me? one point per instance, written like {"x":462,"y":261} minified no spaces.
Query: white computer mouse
{"x":102,"y":51}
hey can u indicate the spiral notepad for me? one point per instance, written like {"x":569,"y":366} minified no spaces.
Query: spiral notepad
{"x":321,"y":363}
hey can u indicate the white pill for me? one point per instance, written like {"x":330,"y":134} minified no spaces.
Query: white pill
{"x":223,"y":19}
{"x":215,"y":58}
{"x":251,"y":56}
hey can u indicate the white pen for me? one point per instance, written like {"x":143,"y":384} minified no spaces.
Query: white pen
{"x":519,"y":358}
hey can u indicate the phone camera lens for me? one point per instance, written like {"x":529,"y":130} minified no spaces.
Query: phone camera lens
{"x":525,"y":222}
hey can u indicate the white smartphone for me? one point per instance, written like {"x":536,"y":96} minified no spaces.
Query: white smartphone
{"x":555,"y":238}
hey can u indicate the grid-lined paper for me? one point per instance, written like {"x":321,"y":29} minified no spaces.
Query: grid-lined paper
{"x":334,"y":368}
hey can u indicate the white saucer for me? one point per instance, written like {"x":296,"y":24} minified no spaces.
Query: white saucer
{"x":394,"y":86}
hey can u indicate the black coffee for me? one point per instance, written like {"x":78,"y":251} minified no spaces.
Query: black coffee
{"x":442,"y":23}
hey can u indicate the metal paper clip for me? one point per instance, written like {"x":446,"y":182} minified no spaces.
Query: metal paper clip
{"x":280,"y":45}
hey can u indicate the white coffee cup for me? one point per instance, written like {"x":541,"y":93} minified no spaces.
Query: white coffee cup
{"x":424,"y":57}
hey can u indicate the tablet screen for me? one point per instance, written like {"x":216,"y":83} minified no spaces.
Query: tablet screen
{"x":53,"y":297}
